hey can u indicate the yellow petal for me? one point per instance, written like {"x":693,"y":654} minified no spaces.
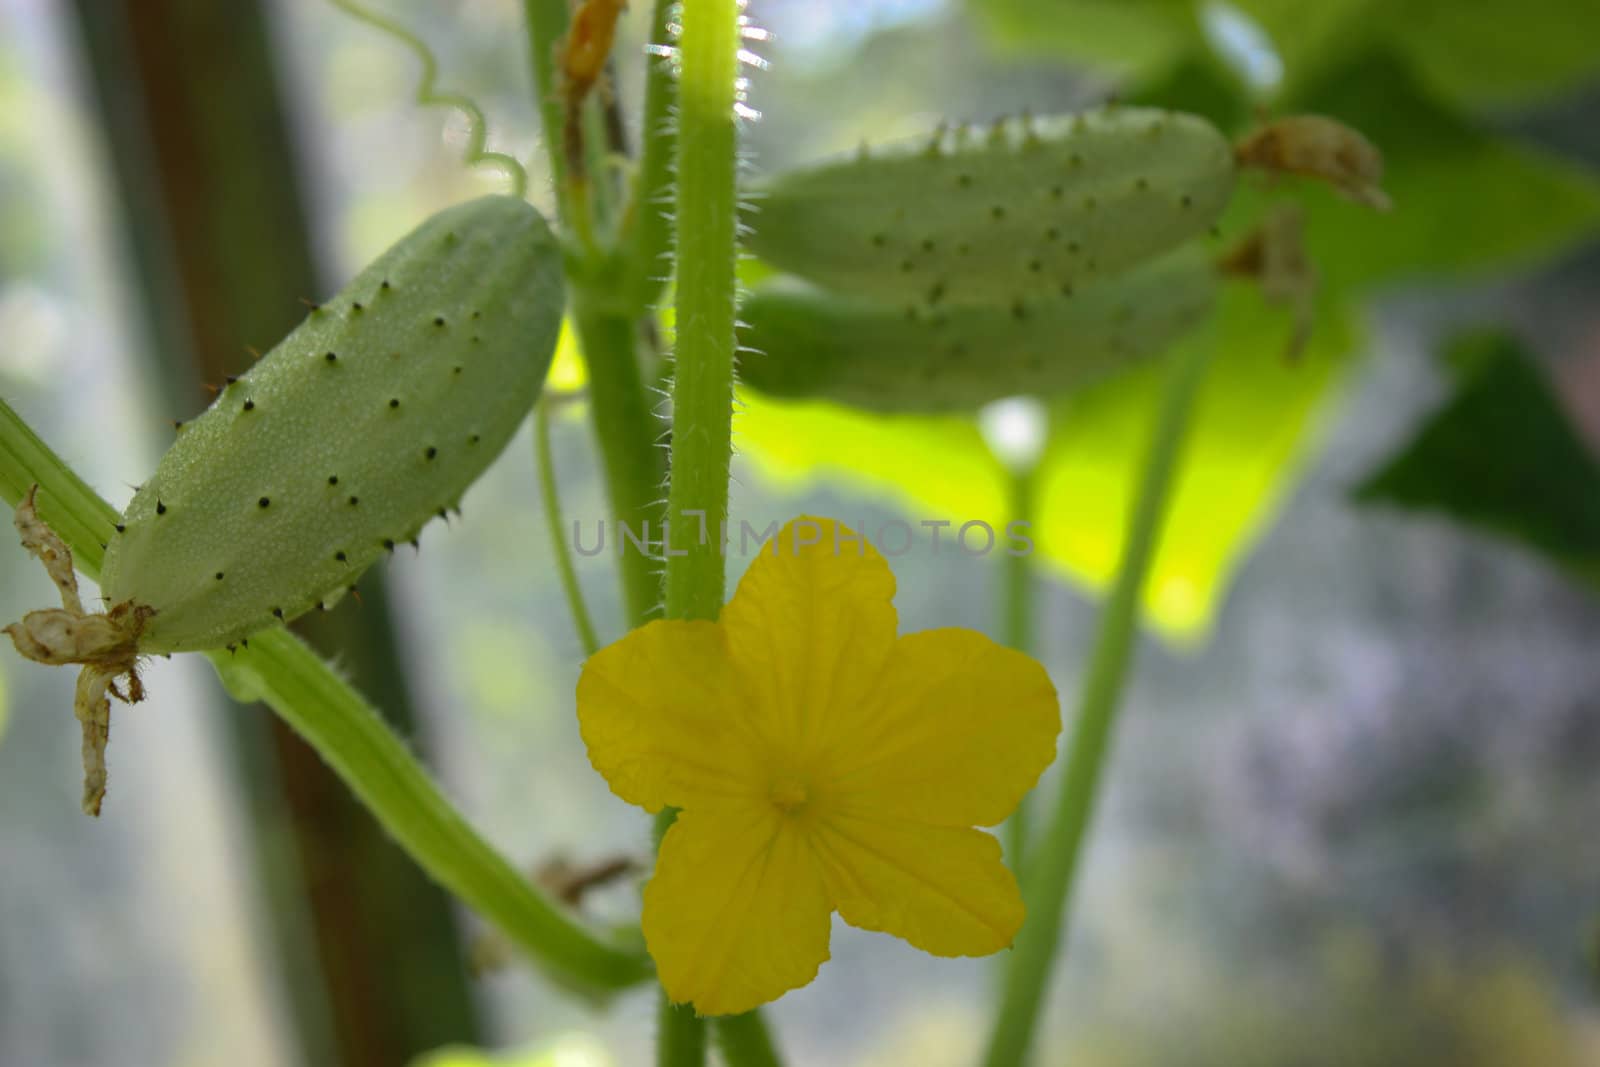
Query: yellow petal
{"x":736,"y":914}
{"x":957,"y":732}
{"x":810,"y":628}
{"x":664,"y":718}
{"x":941,"y":888}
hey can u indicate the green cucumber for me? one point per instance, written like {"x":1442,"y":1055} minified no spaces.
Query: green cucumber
{"x":368,"y":420}
{"x":1024,"y":209}
{"x":802,"y":342}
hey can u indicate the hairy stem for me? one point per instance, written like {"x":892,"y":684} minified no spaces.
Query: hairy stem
{"x":65,"y":502}
{"x":278,"y":669}
{"x":625,"y":430}
{"x":333,"y":718}
{"x":702,"y":388}
{"x":646,"y":237}
{"x":1048,"y":887}
{"x":546,"y":22}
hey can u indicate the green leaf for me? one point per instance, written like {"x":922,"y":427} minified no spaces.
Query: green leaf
{"x":562,"y":1051}
{"x":1474,"y":54}
{"x":1131,"y":38}
{"x":1255,"y":420}
{"x":1502,"y":456}
{"x":1483,"y":52}
{"x":930,"y":465}
{"x":1465,"y":200}
{"x":1506,"y":52}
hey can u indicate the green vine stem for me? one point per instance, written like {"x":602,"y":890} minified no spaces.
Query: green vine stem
{"x":625,"y":431}
{"x":578,"y":193}
{"x":702,"y":388}
{"x":625,"y":428}
{"x":1018,"y":593}
{"x":551,"y":494}
{"x":1047,"y":890}
{"x":681,"y":1036}
{"x":428,"y":94}
{"x":546,"y":22}
{"x":333,"y":718}
{"x":646,"y":233}
{"x":745,"y":1042}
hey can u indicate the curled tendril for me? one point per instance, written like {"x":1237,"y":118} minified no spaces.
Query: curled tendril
{"x":428,"y":95}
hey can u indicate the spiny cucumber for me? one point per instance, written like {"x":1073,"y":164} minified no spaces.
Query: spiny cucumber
{"x":1024,"y":209}
{"x":368,"y":420}
{"x":805,"y":342}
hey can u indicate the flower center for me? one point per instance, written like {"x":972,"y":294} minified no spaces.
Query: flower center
{"x":789,"y":794}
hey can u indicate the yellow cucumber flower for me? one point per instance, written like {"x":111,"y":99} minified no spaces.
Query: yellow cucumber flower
{"x":821,"y":764}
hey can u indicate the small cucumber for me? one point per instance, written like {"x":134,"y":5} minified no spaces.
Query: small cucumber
{"x":369,"y":419}
{"x":804,"y":342}
{"x":1024,"y":209}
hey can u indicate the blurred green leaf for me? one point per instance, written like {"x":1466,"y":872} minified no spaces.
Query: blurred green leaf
{"x":575,"y":1050}
{"x":1477,"y":53}
{"x":1200,"y":88}
{"x":1506,"y":52}
{"x":1464,"y":199}
{"x":1501,"y":455}
{"x":932,"y":466}
{"x":1483,"y":52}
{"x":1134,"y":39}
{"x":1255,"y":420}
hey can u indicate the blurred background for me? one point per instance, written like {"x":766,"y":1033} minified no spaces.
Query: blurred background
{"x":1353,"y":815}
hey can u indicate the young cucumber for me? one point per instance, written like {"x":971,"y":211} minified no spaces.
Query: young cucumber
{"x":369,"y":419}
{"x":1025,"y":209}
{"x":804,"y":342}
